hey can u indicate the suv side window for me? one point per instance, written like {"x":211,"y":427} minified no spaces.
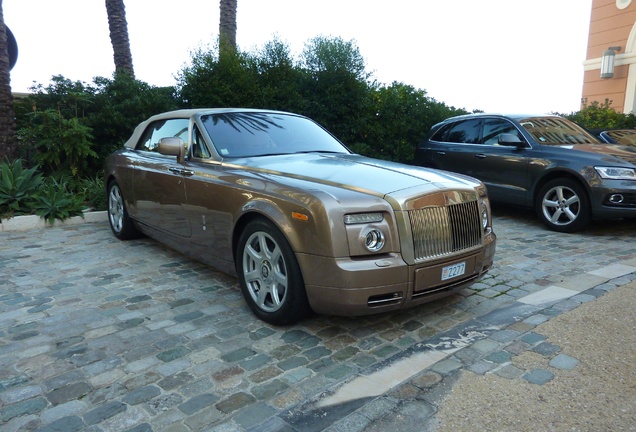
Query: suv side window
{"x":464,"y":132}
{"x":161,"y":129}
{"x":494,"y":127}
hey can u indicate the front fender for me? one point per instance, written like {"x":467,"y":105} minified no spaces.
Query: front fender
{"x":307,"y":231}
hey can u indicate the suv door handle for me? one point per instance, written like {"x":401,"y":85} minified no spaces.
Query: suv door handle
{"x":440,"y":152}
{"x":480,"y":156}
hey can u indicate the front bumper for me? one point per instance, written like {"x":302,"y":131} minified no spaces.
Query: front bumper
{"x":605,"y":204}
{"x":353,"y":287}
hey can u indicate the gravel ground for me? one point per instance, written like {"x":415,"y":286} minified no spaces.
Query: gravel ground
{"x":599,"y":394}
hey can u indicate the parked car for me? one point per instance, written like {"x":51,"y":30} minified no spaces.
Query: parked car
{"x":275,"y":199}
{"x":617,"y":136}
{"x":544,"y":162}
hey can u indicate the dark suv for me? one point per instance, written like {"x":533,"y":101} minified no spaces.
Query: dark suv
{"x":546,"y":162}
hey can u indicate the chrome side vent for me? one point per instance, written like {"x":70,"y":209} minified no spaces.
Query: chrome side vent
{"x":441,"y":231}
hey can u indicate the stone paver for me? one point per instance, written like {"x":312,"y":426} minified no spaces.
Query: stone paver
{"x":99,"y":334}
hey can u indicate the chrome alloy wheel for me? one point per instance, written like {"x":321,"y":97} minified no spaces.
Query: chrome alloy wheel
{"x":116,"y":209}
{"x":561,"y":205}
{"x":265,"y":271}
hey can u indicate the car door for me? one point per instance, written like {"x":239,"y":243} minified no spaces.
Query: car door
{"x":158,"y":180}
{"x":211,"y":203}
{"x":503,"y":168}
{"x":452,"y":148}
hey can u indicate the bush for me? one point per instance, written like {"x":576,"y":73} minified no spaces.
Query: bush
{"x":73,"y":126}
{"x":26,"y":191}
{"x":602,"y":116}
{"x":95,"y":192}
{"x":58,"y":144}
{"x":55,"y":201}
{"x":17,"y":188}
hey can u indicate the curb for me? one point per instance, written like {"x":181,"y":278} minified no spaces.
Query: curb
{"x":29,"y":222}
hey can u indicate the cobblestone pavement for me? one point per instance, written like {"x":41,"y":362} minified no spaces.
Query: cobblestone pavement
{"x":102,"y":335}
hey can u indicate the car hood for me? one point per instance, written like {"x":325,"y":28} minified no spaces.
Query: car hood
{"x":626,"y":153}
{"x":354,"y":172}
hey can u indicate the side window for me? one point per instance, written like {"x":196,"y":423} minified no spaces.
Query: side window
{"x":161,"y":129}
{"x":464,"y":132}
{"x":441,"y":133}
{"x":493,"y":128}
{"x":199,"y":149}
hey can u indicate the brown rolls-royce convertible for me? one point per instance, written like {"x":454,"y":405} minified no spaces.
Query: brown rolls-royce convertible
{"x":304,"y":223}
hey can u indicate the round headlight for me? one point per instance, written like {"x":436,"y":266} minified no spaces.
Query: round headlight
{"x":484,"y":215}
{"x":374,"y":240}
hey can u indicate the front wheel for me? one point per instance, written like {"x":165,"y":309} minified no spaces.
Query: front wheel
{"x":120,"y":223}
{"x":563,"y":205}
{"x":269,"y":275}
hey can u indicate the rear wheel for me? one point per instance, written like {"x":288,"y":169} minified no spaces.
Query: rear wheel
{"x":563,"y":205}
{"x":120,"y":223}
{"x":269,"y":275}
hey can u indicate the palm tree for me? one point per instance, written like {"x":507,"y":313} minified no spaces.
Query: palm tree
{"x":227,"y":25}
{"x":119,"y":37}
{"x":8,"y":142}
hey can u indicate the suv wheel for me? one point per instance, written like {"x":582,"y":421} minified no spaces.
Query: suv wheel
{"x":563,"y":205}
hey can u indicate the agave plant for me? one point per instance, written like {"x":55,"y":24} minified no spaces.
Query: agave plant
{"x":17,"y":187}
{"x":54,"y":201}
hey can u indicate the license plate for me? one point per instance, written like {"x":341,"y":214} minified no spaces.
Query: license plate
{"x":454,"y":270}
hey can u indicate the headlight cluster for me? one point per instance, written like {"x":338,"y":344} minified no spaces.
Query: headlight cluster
{"x":360,"y":218}
{"x":616,"y":173}
{"x":366,"y":232}
{"x":485,"y":214}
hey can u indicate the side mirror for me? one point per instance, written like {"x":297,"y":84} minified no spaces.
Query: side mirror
{"x":512,"y":140}
{"x":172,"y":146}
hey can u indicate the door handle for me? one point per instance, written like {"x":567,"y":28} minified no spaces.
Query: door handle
{"x":480,"y":156}
{"x":181,"y":171}
{"x":441,"y":153}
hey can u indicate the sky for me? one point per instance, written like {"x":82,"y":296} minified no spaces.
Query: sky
{"x":489,"y":55}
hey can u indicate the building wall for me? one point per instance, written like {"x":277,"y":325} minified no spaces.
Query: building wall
{"x":612,"y":24}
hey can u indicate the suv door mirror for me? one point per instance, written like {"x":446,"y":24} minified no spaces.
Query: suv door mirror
{"x":512,"y":140}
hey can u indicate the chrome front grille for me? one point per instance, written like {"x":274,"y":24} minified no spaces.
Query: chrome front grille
{"x":440,"y":231}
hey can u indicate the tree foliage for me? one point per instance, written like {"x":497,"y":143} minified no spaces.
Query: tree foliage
{"x":218,"y":81}
{"x":60,"y":144}
{"x":328,"y":83}
{"x":602,"y":116}
{"x":403,"y":114}
{"x":70,"y":126}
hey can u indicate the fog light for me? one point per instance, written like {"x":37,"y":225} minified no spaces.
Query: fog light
{"x":616,"y":198}
{"x":374,"y":240}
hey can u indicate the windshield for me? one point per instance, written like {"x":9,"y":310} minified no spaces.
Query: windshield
{"x":624,"y":137}
{"x":260,"y":134}
{"x":556,"y":131}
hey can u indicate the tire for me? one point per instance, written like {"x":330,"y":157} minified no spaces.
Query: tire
{"x":269,"y":275}
{"x":120,"y":223}
{"x":563,"y":205}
